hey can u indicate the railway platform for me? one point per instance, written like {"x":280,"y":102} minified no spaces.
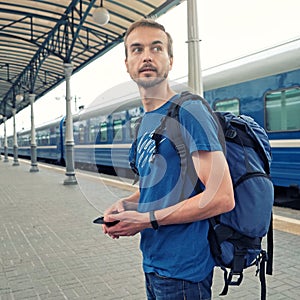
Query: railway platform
{"x":50,"y":249}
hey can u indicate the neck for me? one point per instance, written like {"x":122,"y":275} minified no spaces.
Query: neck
{"x":154,"y":97}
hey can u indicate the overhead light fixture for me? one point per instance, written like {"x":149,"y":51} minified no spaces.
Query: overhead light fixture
{"x":101,"y":15}
{"x":19,"y":98}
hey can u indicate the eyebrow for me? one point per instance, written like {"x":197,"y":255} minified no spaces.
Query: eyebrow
{"x":158,"y":42}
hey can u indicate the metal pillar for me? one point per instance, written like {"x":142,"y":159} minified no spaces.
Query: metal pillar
{"x":195,"y":75}
{"x":0,"y":148}
{"x":69,"y":138}
{"x":34,"y":165}
{"x":16,"y":160}
{"x":5,"y":142}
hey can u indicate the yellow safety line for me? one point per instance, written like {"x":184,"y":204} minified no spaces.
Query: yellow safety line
{"x":286,"y":224}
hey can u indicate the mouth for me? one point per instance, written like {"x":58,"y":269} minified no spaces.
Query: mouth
{"x":147,"y":69}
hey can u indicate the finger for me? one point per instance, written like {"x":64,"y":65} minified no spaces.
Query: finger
{"x":113,"y":236}
{"x":120,"y":207}
{"x":104,"y":229}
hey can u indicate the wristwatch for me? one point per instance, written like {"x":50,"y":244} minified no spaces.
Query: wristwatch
{"x":153,"y":220}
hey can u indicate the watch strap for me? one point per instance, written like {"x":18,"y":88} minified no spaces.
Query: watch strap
{"x":153,"y":220}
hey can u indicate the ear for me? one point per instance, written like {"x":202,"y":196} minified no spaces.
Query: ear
{"x":126,"y":64}
{"x":171,"y":63}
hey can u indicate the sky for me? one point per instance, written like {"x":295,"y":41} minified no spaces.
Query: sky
{"x":228,"y":29}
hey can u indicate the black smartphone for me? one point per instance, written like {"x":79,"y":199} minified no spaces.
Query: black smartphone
{"x":100,"y":220}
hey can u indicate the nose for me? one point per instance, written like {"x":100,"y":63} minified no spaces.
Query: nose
{"x":147,"y":59}
{"x":147,"y":56}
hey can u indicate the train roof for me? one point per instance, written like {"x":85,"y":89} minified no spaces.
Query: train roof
{"x":120,"y":97}
{"x":274,"y":60}
{"x":45,"y":125}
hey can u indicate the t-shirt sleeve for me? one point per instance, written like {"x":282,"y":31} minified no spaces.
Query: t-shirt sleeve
{"x":199,"y":129}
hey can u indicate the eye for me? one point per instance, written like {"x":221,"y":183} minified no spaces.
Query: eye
{"x":157,"y":48}
{"x":137,"y":49}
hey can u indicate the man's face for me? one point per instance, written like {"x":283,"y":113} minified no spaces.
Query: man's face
{"x":148,"y":62}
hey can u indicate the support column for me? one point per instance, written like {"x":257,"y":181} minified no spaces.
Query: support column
{"x":69,"y":137}
{"x":34,"y":165}
{"x":0,"y":149}
{"x":16,"y":160}
{"x":195,"y":74}
{"x":5,"y":142}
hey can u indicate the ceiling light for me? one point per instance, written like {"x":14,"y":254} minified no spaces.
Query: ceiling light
{"x":19,"y":98}
{"x":101,"y":15}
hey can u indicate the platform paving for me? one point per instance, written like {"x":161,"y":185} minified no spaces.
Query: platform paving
{"x":50,"y":249}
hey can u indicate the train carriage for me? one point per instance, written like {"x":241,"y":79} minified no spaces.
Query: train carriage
{"x":265,"y":86}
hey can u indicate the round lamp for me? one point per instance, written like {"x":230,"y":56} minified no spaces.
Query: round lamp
{"x":101,"y":15}
{"x":19,"y":98}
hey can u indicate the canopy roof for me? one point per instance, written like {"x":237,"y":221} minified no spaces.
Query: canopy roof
{"x":38,"y":36}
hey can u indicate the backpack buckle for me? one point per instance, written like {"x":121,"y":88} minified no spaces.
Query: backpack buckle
{"x":238,"y":280}
{"x":230,"y":133}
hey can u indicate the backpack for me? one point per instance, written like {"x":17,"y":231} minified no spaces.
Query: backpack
{"x":235,"y":237}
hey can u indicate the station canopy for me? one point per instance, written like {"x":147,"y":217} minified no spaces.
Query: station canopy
{"x":38,"y":36}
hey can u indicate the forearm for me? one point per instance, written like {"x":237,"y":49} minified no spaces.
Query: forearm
{"x":133,"y":197}
{"x":194,"y":209}
{"x":131,"y":202}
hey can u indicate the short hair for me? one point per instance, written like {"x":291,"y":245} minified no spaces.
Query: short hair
{"x":149,"y":23}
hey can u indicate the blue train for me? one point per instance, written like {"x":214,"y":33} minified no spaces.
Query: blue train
{"x":264,"y":85}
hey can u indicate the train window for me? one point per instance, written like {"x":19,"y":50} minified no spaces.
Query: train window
{"x":20,"y":141}
{"x":231,"y":105}
{"x":282,"y":110}
{"x":45,"y":139}
{"x":37,"y":140}
{"x":57,"y":131}
{"x":117,"y":129}
{"x":103,"y":132}
{"x":132,"y":126}
{"x":81,"y":134}
{"x":10,"y":142}
{"x":93,"y":133}
{"x":52,"y":136}
{"x":24,"y":141}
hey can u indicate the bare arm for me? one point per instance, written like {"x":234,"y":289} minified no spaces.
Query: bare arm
{"x":217,"y":198}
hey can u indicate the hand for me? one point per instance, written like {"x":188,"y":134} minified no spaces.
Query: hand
{"x":116,"y":207}
{"x":131,"y":222}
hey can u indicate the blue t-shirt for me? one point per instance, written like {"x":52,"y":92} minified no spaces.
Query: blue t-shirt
{"x":177,"y":251}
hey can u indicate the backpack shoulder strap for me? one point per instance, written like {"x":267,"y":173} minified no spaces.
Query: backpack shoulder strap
{"x":134,"y":149}
{"x":171,"y":123}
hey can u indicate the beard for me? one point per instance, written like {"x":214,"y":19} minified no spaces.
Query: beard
{"x":149,"y":82}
